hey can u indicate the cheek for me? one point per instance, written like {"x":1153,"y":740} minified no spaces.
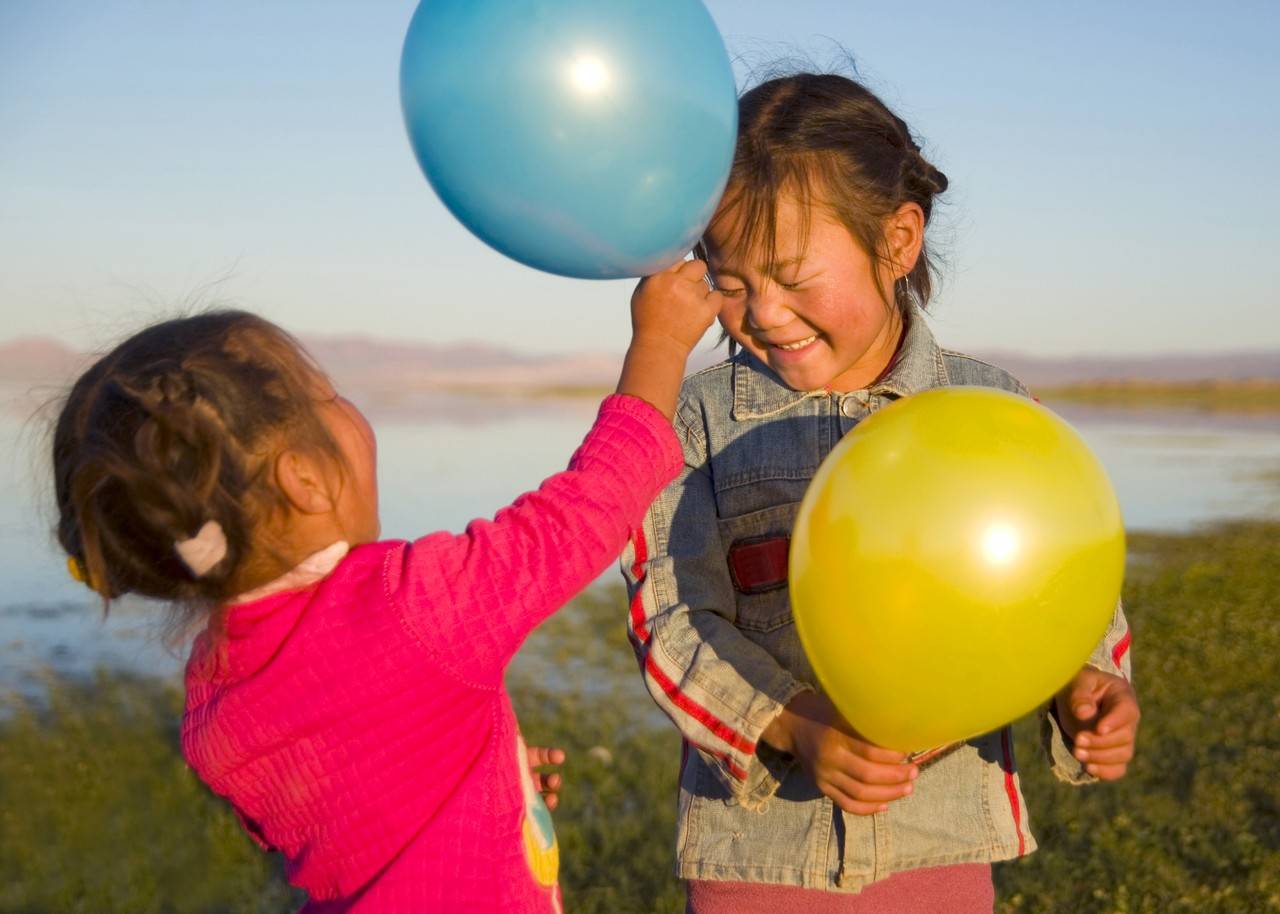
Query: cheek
{"x":365,"y":442}
{"x":731,"y":309}
{"x":732,"y":319}
{"x":819,"y":308}
{"x":730,"y":316}
{"x":844,"y":307}
{"x":369,"y":468}
{"x":371,"y":447}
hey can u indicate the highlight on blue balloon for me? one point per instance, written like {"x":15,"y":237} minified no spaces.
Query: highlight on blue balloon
{"x":588,"y":138}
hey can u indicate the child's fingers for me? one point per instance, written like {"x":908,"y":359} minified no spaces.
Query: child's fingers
{"x":1118,"y":724}
{"x":858,"y":746}
{"x":1114,"y":747}
{"x":1121,"y":755}
{"x":548,"y":786}
{"x":1123,"y":714}
{"x":869,"y":772}
{"x":545,"y":755}
{"x":882,"y":758}
{"x":856,"y":808}
{"x":546,"y":783}
{"x":853,"y":805}
{"x":1086,"y":693}
{"x":692,"y":269}
{"x":1084,"y":704}
{"x":868,"y":793}
{"x":1107,"y":772}
{"x":1110,"y":740}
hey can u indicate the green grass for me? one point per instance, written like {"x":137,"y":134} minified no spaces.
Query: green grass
{"x":1195,"y":827}
{"x":98,"y":813}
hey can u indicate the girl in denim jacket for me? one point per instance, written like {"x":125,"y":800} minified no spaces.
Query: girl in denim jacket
{"x":819,"y":250}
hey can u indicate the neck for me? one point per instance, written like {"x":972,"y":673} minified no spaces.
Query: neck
{"x":303,"y":535}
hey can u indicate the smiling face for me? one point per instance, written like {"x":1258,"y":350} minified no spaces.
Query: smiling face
{"x":816,"y":315}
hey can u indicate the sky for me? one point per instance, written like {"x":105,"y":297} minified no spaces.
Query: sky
{"x":1114,"y":168}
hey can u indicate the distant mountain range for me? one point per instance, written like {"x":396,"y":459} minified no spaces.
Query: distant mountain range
{"x":379,"y":366}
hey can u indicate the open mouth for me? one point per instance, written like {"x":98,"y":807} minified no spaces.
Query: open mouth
{"x":796,"y":346}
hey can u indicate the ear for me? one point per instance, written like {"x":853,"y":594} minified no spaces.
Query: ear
{"x":302,"y":480}
{"x":903,"y":238}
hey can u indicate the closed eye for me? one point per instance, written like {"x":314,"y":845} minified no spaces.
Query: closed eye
{"x":795,"y":283}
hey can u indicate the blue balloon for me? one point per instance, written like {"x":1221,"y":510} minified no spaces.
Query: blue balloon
{"x":589,"y":138}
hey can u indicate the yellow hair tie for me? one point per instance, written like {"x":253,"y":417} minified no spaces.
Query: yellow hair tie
{"x":79,"y":573}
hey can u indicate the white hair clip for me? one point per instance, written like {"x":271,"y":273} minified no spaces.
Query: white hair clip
{"x":204,"y":550}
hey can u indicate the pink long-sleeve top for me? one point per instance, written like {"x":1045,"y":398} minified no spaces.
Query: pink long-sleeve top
{"x":359,"y":724}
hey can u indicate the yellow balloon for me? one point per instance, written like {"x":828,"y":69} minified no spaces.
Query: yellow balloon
{"x":953,"y":563}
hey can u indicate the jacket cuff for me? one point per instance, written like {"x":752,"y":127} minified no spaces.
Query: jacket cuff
{"x":656,"y":435}
{"x":1065,"y":766}
{"x":766,"y":767}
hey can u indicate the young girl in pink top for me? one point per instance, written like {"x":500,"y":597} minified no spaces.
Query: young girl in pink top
{"x":346,"y":693}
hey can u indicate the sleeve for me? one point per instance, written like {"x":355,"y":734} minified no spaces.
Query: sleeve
{"x":719,"y":689}
{"x":474,"y":597}
{"x":1111,"y":656}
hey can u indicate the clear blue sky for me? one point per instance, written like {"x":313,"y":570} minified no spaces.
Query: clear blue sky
{"x":1115,"y":171}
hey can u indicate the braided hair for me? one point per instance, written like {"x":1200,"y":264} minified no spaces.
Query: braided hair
{"x":174,"y":428}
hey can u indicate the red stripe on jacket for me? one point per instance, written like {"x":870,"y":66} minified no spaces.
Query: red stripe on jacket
{"x":669,"y":688}
{"x":637,"y":599}
{"x":1011,"y":789}
{"x":1121,"y":648}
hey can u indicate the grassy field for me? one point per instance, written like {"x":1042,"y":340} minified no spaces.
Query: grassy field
{"x":99,"y":814}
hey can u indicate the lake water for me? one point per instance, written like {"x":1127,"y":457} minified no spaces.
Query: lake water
{"x":443,"y":463}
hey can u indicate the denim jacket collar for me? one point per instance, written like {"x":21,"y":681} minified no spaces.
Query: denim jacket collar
{"x":758,"y":392}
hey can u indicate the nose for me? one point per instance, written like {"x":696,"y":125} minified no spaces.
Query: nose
{"x":766,"y":308}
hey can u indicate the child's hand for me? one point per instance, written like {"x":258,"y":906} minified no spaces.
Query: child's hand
{"x":670,"y":311}
{"x":547,"y":784}
{"x":1099,"y":713}
{"x":674,"y":307}
{"x":859,"y":777}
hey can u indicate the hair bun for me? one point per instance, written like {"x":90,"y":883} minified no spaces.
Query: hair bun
{"x":939,"y":179}
{"x":920,"y":178}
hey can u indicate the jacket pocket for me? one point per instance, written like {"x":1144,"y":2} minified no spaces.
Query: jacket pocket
{"x":762,"y":605}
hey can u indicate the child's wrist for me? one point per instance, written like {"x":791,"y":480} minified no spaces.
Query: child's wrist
{"x":653,"y":370}
{"x":659,"y":347}
{"x":780,"y":734}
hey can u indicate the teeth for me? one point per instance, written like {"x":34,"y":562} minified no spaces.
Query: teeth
{"x":792,"y":347}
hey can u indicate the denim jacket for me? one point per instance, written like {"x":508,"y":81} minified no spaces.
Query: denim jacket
{"x":722,"y":663}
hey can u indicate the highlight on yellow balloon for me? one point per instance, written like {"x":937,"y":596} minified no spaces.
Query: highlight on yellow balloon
{"x":955,"y":560}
